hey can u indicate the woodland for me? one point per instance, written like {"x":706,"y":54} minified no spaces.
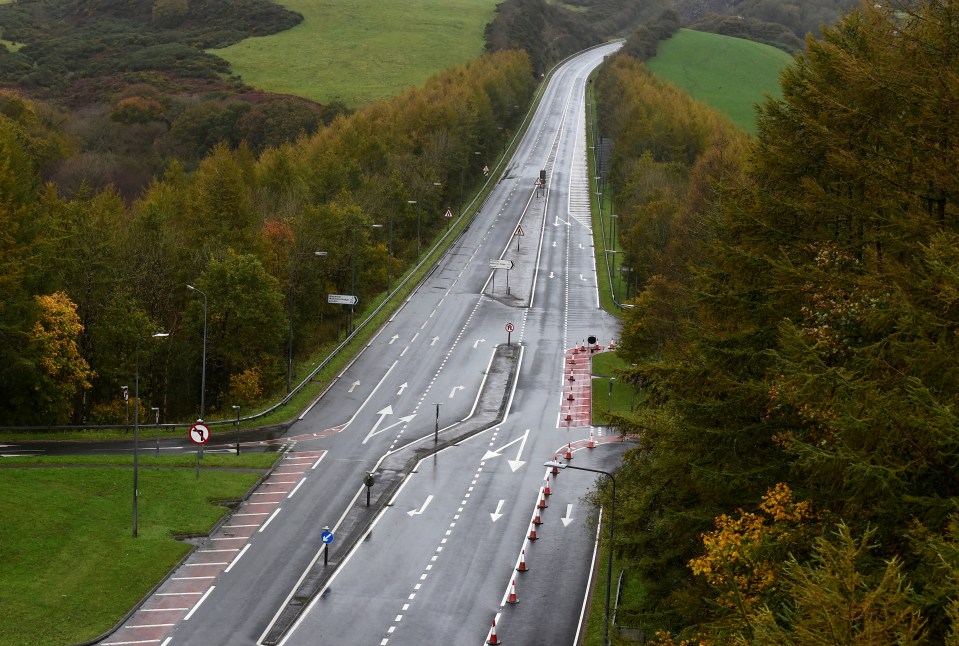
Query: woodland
{"x":88,"y":278}
{"x":793,"y":344}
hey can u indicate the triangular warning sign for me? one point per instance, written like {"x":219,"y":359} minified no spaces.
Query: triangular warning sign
{"x":519,"y":231}
{"x":486,"y":170}
{"x":448,"y":214}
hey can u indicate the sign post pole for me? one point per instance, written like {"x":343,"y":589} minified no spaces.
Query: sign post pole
{"x":509,"y":331}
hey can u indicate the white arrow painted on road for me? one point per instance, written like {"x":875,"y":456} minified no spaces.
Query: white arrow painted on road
{"x":496,"y":515}
{"x":551,"y":275}
{"x":568,"y":518}
{"x":383,"y":413}
{"x":513,"y":464}
{"x":477,"y":342}
{"x":455,"y":388}
{"x":403,"y":386}
{"x":434,"y":340}
{"x":557,"y":221}
{"x":581,"y":277}
{"x":554,"y":243}
{"x":355,"y":384}
{"x":393,"y":338}
{"x":417,"y":512}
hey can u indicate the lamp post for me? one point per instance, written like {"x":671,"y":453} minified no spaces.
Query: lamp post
{"x":126,"y":401}
{"x":612,"y":515}
{"x":156,"y":419}
{"x":413,"y":204}
{"x":609,"y":400}
{"x":236,"y":427}
{"x":136,"y":424}
{"x":292,"y":299}
{"x":203,"y":369}
{"x":436,"y":429}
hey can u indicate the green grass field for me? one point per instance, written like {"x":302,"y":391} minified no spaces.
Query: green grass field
{"x":729,"y":74}
{"x":71,"y":567}
{"x":360,"y":51}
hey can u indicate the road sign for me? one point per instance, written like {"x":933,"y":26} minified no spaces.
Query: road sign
{"x":510,"y":327}
{"x":539,"y":182}
{"x":342,"y":299}
{"x":199,"y":433}
{"x":519,"y":231}
{"x":500,"y":264}
{"x":485,"y":170}
{"x":327,"y":537}
{"x":448,"y":214}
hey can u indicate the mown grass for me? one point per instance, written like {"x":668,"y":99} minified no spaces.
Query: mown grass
{"x":609,"y":391}
{"x":71,"y":568}
{"x":729,"y":74}
{"x":361,"y":51}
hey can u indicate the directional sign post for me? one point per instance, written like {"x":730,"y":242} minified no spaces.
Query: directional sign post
{"x":500,"y":264}
{"x":199,"y":434}
{"x":342,"y":299}
{"x":327,"y":538}
{"x":509,"y":330}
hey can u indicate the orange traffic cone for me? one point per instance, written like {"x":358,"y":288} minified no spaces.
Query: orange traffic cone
{"x":512,"y":593}
{"x":536,"y":519}
{"x":569,"y":451}
{"x":612,"y":344}
{"x":493,"y":639}
{"x":555,"y":468}
{"x":575,"y":350}
{"x":569,"y":418}
{"x":542,"y":503}
{"x":592,"y":442}
{"x":572,"y":361}
{"x":522,"y":562}
{"x":570,"y":397}
{"x":532,"y":533}
{"x":546,"y":490}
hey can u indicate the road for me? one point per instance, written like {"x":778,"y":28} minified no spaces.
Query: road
{"x":437,"y":565}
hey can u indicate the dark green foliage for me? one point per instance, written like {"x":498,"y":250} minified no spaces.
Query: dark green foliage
{"x":809,"y":337}
{"x":643,"y":43}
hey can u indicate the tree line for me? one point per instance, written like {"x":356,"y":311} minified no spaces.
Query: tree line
{"x":794,"y":343}
{"x":88,"y":279}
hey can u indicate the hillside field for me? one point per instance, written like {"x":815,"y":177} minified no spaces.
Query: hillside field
{"x":729,"y":74}
{"x":360,"y":51}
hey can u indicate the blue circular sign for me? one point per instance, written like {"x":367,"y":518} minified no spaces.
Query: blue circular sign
{"x":327,"y":537}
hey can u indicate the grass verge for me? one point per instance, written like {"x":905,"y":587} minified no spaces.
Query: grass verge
{"x":361,"y":51}
{"x":71,"y":568}
{"x":729,"y":74}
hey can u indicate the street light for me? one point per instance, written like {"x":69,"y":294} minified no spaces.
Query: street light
{"x":156,"y":418}
{"x":289,"y":344}
{"x":136,"y":424}
{"x":236,"y":426}
{"x":436,"y":430}
{"x":612,"y":515}
{"x":413,"y":204}
{"x":203,"y":371}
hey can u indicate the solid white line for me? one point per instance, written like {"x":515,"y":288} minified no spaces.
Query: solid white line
{"x":150,"y":626}
{"x":318,"y":460}
{"x":299,"y":484}
{"x":589,"y":580}
{"x":175,"y":594}
{"x":197,"y":605}
{"x":191,"y":578}
{"x":161,"y":609}
{"x":258,"y":513}
{"x":202,"y":564}
{"x":237,"y":558}
{"x":270,"y":519}
{"x":142,"y":641}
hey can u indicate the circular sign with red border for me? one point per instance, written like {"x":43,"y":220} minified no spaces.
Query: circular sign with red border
{"x":199,"y":433}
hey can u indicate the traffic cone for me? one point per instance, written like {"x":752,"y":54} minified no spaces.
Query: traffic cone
{"x":571,"y":377}
{"x":512,"y":593}
{"x":555,"y":468}
{"x":582,"y":348}
{"x":569,"y":452}
{"x":572,"y":361}
{"x":570,"y":397}
{"x":612,"y":344}
{"x":569,"y":418}
{"x":546,"y":491}
{"x":592,"y":442}
{"x":532,"y":533}
{"x":493,"y":639}
{"x":522,"y":562}
{"x":542,"y":503}
{"x":536,"y":519}
{"x":575,"y":350}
